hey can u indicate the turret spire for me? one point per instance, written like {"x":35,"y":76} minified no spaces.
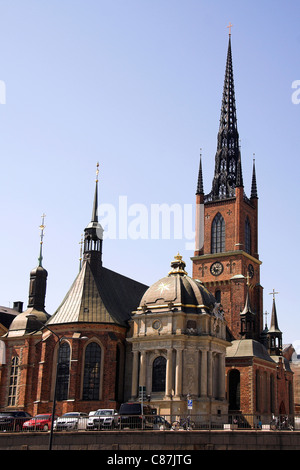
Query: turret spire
{"x":200,"y":177}
{"x":274,"y":334}
{"x":247,"y":317}
{"x":95,"y":205}
{"x":254,"y":186}
{"x":274,"y":321}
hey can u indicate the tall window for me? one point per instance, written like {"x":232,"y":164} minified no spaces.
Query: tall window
{"x":159,"y":374}
{"x":218,"y":234}
{"x":63,"y":372}
{"x":13,"y":381}
{"x":119,"y":374}
{"x":257,"y":383}
{"x":247,"y":236}
{"x":272,"y":394}
{"x":91,"y":377}
{"x":218,"y":296}
{"x":234,"y":389}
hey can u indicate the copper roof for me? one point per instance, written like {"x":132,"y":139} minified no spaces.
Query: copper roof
{"x":108,"y":297}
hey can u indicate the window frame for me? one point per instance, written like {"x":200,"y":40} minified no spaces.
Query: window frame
{"x":218,"y":234}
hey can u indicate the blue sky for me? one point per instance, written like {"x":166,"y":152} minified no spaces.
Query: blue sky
{"x":137,"y":86}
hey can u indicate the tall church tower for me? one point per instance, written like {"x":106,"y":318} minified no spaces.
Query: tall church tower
{"x":226,"y":256}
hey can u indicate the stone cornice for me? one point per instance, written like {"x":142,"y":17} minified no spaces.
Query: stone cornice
{"x":226,"y":254}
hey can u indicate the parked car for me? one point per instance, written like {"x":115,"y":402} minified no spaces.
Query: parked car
{"x":39,"y":422}
{"x":103,"y":418}
{"x":135,"y":415}
{"x":72,"y":420}
{"x":13,"y":420}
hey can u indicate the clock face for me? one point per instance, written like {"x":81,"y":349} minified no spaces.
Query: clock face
{"x":156,"y":325}
{"x":216,"y":269}
{"x":251,"y":270}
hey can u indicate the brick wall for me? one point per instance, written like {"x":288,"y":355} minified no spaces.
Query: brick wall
{"x":38,"y":356}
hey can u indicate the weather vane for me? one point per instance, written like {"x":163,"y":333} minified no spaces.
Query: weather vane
{"x":42,"y":228}
{"x":80,"y":256}
{"x":97,"y":172}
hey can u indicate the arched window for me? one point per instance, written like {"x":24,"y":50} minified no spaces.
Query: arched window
{"x":91,"y":376}
{"x":13,"y":381}
{"x":159,"y":374}
{"x":247,"y":236}
{"x":234,"y":389}
{"x":218,"y":234}
{"x":63,"y":372}
{"x":218,"y":296}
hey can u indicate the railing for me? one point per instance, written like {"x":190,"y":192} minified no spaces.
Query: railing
{"x":156,"y":422}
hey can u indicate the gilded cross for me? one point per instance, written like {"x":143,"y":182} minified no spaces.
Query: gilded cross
{"x":273,"y":293}
{"x":230,"y":26}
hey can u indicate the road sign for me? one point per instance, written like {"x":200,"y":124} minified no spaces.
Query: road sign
{"x":190,"y":404}
{"x":142,"y":393}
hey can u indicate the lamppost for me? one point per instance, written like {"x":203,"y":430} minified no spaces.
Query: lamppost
{"x":60,"y":339}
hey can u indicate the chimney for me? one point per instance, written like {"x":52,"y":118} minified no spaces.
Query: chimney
{"x":18,"y":306}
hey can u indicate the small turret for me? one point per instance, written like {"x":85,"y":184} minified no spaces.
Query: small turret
{"x":274,"y":334}
{"x":93,"y":234}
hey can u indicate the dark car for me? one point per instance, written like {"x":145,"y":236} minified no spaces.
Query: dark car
{"x":135,"y":415}
{"x":13,"y":420}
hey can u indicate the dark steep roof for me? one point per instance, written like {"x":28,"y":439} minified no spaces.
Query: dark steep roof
{"x":7,"y":315}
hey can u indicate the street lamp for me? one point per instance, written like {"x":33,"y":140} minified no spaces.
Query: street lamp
{"x":60,"y":339}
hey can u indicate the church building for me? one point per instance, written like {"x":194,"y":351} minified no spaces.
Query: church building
{"x":226,"y":260}
{"x":200,"y":337}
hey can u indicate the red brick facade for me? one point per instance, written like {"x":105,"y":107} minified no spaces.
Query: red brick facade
{"x":264,"y":386}
{"x":37,"y":362}
{"x":234,"y":259}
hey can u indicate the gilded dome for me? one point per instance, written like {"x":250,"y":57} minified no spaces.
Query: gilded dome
{"x":178,"y":290}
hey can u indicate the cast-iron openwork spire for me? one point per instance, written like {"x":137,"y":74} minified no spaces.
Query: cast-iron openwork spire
{"x":228,"y":170}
